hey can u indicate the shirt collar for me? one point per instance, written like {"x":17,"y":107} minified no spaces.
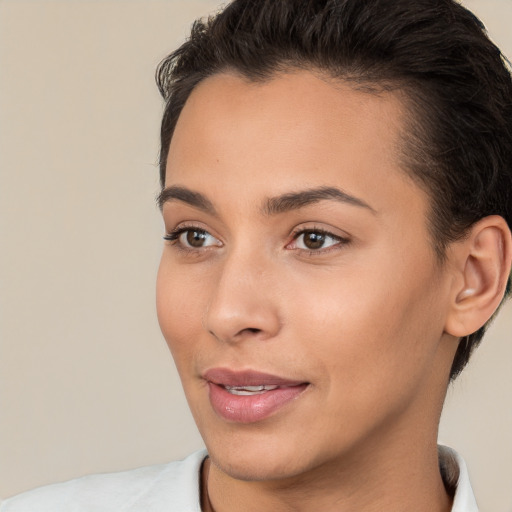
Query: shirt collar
{"x":455,"y":474}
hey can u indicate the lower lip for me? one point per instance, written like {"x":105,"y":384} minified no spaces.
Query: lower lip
{"x":251,"y":408}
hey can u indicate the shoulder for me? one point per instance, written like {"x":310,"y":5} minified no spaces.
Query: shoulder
{"x":165,"y":487}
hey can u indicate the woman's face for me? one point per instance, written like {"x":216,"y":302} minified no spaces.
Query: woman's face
{"x":298,"y":290}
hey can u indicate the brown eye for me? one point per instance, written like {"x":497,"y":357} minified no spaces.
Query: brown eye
{"x":195,"y":238}
{"x":316,"y":240}
{"x":313,"y":240}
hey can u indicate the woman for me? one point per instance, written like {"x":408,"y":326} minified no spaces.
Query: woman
{"x":335,"y":191}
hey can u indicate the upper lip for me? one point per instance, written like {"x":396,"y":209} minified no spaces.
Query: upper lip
{"x":228,"y":377}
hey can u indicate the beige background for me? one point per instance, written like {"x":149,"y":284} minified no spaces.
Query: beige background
{"x":86,"y":382}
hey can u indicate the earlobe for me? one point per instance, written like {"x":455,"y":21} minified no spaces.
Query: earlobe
{"x":483,"y":261}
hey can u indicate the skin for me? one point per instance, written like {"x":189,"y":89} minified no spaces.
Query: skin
{"x":361,"y":319}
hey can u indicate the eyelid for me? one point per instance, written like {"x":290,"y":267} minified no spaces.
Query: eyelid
{"x":182,"y":226}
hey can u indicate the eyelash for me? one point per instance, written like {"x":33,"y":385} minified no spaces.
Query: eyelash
{"x":175,"y":234}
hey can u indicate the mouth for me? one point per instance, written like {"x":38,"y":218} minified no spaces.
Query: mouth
{"x":249,"y":390}
{"x":250,"y":396}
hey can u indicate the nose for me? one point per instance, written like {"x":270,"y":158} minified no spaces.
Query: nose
{"x":244,"y":301}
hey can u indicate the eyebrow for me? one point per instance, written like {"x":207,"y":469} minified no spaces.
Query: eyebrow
{"x":185,"y":195}
{"x":272,"y":206}
{"x":297,"y":200}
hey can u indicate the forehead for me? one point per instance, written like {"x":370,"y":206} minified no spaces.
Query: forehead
{"x":295,"y":130}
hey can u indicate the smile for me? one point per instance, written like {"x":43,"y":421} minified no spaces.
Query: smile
{"x":250,"y":396}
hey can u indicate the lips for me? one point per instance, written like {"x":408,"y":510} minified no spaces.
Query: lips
{"x":249,"y":396}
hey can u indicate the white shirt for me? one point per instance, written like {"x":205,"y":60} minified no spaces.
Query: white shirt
{"x":172,"y":487}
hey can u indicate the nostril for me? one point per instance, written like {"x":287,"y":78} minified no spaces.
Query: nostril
{"x":247,"y":332}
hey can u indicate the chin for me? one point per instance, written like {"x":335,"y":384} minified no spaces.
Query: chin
{"x":256,"y":467}
{"x":260,"y":456}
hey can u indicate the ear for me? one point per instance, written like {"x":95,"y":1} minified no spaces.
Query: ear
{"x":481,"y":264}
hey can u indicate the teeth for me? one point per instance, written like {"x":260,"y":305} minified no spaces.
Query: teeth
{"x":249,"y":390}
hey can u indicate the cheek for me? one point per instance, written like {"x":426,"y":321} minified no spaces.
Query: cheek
{"x":373,"y":346}
{"x":368,"y":323}
{"x":180,"y":306}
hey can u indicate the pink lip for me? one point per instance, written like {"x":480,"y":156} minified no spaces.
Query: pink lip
{"x":249,"y":408}
{"x":227,"y":377}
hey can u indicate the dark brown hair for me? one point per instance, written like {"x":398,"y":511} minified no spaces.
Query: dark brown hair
{"x":458,"y":90}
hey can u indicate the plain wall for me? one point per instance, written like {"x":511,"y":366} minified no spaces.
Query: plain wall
{"x":86,"y":380}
